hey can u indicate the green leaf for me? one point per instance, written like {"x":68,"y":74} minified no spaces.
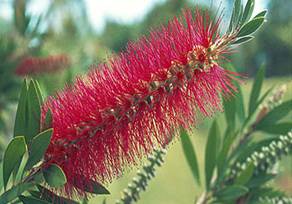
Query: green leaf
{"x":54,"y":176}
{"x":239,"y":15}
{"x":239,"y":103}
{"x":245,"y":175}
{"x":90,"y":186}
{"x":14,"y":192}
{"x":243,"y":40}
{"x":232,"y":192}
{"x":211,"y":152}
{"x":31,"y":200}
{"x":248,"y":10}
{"x":267,"y":192}
{"x":48,"y":119}
{"x":230,"y":28}
{"x":229,"y":137}
{"x":274,"y":115}
{"x":190,"y":154}
{"x":35,"y":193}
{"x":280,"y":128}
{"x":250,"y":27}
{"x":12,"y":156}
{"x":261,"y":14}
{"x":38,"y":177}
{"x":256,"y":89}
{"x":235,"y":14}
{"x":21,"y":113}
{"x":236,"y":10}
{"x":230,"y":110}
{"x":19,"y":168}
{"x":260,"y":180}
{"x":1,"y":176}
{"x":39,"y":145}
{"x":261,"y":100}
{"x":34,"y":112}
{"x":246,"y":150}
{"x":39,"y":92}
{"x":238,"y":99}
{"x":51,"y":197}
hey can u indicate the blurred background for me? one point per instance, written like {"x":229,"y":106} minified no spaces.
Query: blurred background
{"x":55,"y":40}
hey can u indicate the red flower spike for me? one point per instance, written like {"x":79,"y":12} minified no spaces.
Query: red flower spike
{"x":39,"y":65}
{"x":121,"y":110}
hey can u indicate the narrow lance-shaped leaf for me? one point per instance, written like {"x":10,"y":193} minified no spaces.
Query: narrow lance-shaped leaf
{"x":49,"y":196}
{"x":90,"y":186}
{"x":243,"y":40}
{"x":237,"y":10}
{"x":243,"y":152}
{"x":265,"y":95}
{"x":32,"y":200}
{"x":235,"y":15}
{"x":239,"y":15}
{"x":54,"y":176}
{"x":248,"y":10}
{"x":280,"y":128}
{"x":261,"y":14}
{"x":245,"y":175}
{"x":34,"y":112}
{"x":250,"y":27}
{"x":211,"y":153}
{"x":230,"y":28}
{"x":260,"y":180}
{"x":38,"y":89}
{"x":48,"y":120}
{"x":239,"y":102}
{"x":276,"y":114}
{"x":39,"y":145}
{"x":21,"y":118}
{"x":229,"y":137}
{"x":232,"y":192}
{"x":21,"y":113}
{"x":256,"y":89}
{"x":1,"y":176}
{"x":19,"y":168}
{"x":12,"y":156}
{"x":230,"y":111}
{"x":190,"y":154}
{"x":238,"y":99}
{"x":14,"y":192}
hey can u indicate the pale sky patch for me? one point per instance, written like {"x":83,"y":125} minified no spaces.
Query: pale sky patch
{"x":124,"y":11}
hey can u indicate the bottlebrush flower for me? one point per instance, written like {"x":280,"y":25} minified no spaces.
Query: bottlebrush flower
{"x":121,"y":110}
{"x":40,"y":65}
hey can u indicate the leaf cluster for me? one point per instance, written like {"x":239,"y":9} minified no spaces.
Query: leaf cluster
{"x":241,"y":24}
{"x":25,"y":178}
{"x":238,"y":164}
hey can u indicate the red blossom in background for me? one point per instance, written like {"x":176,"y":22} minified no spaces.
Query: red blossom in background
{"x":123,"y":109}
{"x":40,"y":65}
